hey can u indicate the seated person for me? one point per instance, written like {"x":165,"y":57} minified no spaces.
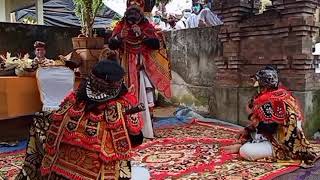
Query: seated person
{"x":39,"y":61}
{"x":275,"y":131}
{"x":182,"y":23}
{"x":171,"y":22}
{"x":158,"y":23}
{"x":207,"y":18}
{"x":92,"y":134}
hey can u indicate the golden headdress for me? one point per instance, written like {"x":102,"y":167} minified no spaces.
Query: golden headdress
{"x":136,"y":3}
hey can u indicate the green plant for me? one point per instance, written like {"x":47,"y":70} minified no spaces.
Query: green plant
{"x":86,"y":11}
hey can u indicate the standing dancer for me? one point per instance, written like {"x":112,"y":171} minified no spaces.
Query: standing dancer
{"x":136,"y":39}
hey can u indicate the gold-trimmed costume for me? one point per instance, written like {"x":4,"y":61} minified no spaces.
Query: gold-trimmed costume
{"x":91,"y":145}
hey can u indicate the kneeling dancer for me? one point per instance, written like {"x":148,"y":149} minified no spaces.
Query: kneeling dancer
{"x":276,"y":123}
{"x":92,"y":135}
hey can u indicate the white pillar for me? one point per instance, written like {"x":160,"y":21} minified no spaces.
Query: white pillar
{"x":4,"y":11}
{"x":39,"y":12}
{"x":13,"y":18}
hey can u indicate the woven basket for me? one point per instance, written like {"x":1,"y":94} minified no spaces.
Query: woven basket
{"x":87,"y":43}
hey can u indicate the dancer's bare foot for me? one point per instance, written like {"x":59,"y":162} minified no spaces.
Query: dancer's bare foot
{"x":232,"y":149}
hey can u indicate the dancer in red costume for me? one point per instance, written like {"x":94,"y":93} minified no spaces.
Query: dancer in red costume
{"x":92,"y":135}
{"x":136,"y":39}
{"x":276,"y":124}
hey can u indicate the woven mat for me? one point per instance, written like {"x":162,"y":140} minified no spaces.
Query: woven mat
{"x":11,"y":163}
{"x":191,"y":151}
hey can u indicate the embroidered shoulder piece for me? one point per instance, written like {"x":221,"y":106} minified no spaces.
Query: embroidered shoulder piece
{"x":130,"y":98}
{"x":134,"y":122}
{"x":271,"y":106}
{"x":113,"y":114}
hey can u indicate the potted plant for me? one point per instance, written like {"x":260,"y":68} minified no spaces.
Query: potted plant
{"x":86,"y":11}
{"x":86,"y":45}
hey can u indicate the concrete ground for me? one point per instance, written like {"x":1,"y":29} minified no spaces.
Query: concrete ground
{"x":164,"y":111}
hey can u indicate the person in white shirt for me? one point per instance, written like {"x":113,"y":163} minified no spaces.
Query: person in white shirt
{"x":207,"y":18}
{"x":193,"y":20}
{"x":158,"y":23}
{"x":171,"y":22}
{"x":40,"y":60}
{"x":183,"y":24}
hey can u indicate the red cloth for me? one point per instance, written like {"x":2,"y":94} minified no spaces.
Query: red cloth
{"x":271,"y":106}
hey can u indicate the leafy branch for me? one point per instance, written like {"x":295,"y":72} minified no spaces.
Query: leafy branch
{"x":86,"y":11}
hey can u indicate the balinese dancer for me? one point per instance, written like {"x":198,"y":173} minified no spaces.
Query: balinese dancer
{"x":136,"y":39}
{"x":92,"y":134}
{"x":276,"y":123}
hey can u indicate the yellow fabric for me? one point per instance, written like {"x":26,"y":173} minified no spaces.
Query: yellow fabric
{"x":162,"y":61}
{"x":19,"y":96}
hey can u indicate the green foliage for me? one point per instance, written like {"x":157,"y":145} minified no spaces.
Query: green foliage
{"x":86,"y":11}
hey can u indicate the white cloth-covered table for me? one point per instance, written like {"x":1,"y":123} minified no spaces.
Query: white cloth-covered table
{"x":54,"y":84}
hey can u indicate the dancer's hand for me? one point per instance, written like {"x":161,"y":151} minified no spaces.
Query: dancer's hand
{"x":131,"y":89}
{"x":242,"y":135}
{"x":136,"y":29}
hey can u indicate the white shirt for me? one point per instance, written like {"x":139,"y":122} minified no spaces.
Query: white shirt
{"x":193,"y":21}
{"x":161,"y":25}
{"x":207,"y":16}
{"x":169,"y":28}
{"x":182,"y":24}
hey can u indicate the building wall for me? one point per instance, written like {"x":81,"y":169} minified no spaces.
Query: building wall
{"x":192,"y":53}
{"x":283,"y":36}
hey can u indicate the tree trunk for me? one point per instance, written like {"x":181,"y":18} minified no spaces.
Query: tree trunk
{"x":88,"y":18}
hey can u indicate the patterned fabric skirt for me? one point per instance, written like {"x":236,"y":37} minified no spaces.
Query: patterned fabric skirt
{"x":291,"y":143}
{"x":35,"y":153}
{"x":35,"y":149}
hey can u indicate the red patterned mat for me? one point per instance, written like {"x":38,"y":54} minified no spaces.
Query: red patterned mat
{"x":198,"y":130}
{"x":194,"y":151}
{"x":176,"y":157}
{"x":187,"y":152}
{"x":11,"y":163}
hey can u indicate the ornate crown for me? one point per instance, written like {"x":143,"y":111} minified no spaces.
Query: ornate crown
{"x":138,"y":3}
